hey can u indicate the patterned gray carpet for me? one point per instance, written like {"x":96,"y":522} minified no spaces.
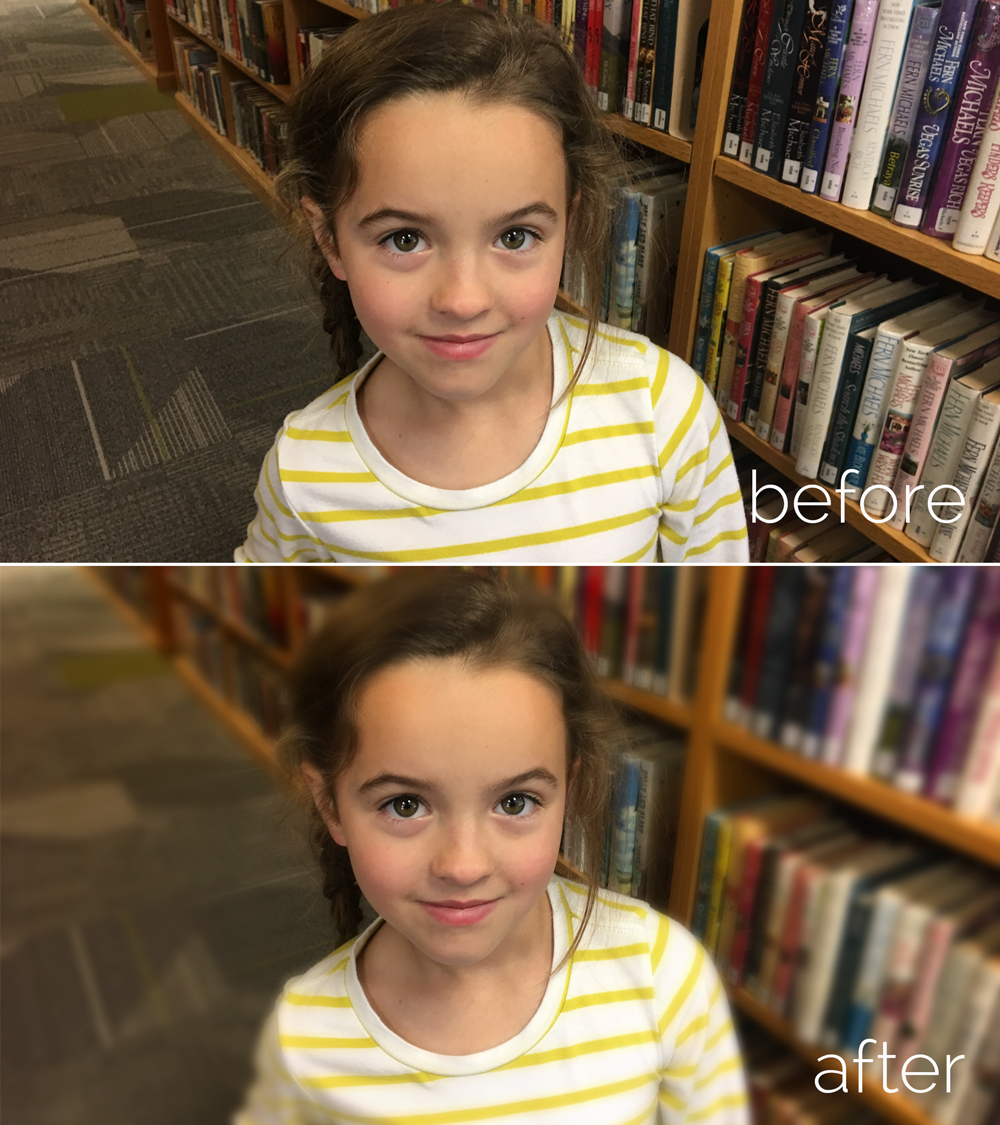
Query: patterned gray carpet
{"x":154,"y":895}
{"x":153,"y":333}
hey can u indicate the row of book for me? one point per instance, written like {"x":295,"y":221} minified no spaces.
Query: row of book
{"x":252,"y":31}
{"x":888,"y":105}
{"x":259,"y":124}
{"x":639,"y":279}
{"x":852,"y":936}
{"x":890,"y":672}
{"x":130,"y":19}
{"x":311,"y":42}
{"x":255,"y":597}
{"x":200,"y":80}
{"x":886,"y":389}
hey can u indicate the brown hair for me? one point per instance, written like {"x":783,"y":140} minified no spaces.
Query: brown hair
{"x":442,"y":47}
{"x":437,"y":615}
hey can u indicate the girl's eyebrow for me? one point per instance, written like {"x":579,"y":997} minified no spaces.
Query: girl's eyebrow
{"x":395,"y":780}
{"x":383,"y":214}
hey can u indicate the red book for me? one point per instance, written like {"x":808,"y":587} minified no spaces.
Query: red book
{"x":628,"y":102}
{"x":633,"y":613}
{"x":595,"y":27}
{"x":593,"y":610}
{"x":759,"y":65}
{"x":744,"y":907}
{"x":756,"y":635}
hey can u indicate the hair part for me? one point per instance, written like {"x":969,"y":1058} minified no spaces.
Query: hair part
{"x":444,"y":47}
{"x":444,"y":615}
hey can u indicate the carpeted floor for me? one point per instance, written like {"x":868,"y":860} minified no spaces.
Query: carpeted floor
{"x":155,"y":895}
{"x":153,"y":333}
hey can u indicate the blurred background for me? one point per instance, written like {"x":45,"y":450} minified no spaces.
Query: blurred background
{"x":810,"y":784}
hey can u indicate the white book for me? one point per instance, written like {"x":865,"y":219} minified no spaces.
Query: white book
{"x":984,"y":520}
{"x":874,"y":398}
{"x":829,"y":361}
{"x":812,"y":337}
{"x":884,"y":62}
{"x":992,"y":250}
{"x":884,"y":635}
{"x":982,"y":199}
{"x":902,"y":402}
{"x":982,"y":763}
{"x":946,"y":447}
{"x":979,"y":445}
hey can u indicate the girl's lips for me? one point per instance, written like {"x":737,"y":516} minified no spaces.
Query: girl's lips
{"x":455,"y":347}
{"x":457,"y":915}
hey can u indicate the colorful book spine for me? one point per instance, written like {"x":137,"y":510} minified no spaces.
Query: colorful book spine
{"x":827,"y":660}
{"x":851,"y":85}
{"x":736,"y":108}
{"x":720,"y":312}
{"x":912,"y":77}
{"x":984,"y":519}
{"x":775,"y":95}
{"x":982,"y":200}
{"x":635,"y":39}
{"x":805,"y":85}
{"x":812,"y":339}
{"x":644,"y":62}
{"x":663,"y":65}
{"x":968,"y":124}
{"x":934,"y":115}
{"x":982,"y":764}
{"x":762,"y":41}
{"x":857,"y":360}
{"x":826,"y":94}
{"x":614,"y":54}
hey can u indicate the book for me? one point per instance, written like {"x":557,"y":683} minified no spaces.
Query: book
{"x":913,"y":74}
{"x":776,"y":92}
{"x":982,"y":201}
{"x":983,"y":522}
{"x":777,"y":654}
{"x":663,"y":64}
{"x":992,"y":250}
{"x":762,"y":39}
{"x":657,"y":249}
{"x":885,"y":59}
{"x":968,"y":123}
{"x":851,"y":85}
{"x":805,"y":85}
{"x":736,"y":107}
{"x":614,"y":54}
{"x":981,"y":772}
{"x":692,"y":16}
{"x":856,"y":362}
{"x":826,"y":94}
{"x":934,"y":114}
{"x":644,"y":62}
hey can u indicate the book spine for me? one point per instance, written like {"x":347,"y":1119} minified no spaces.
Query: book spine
{"x":784,"y":315}
{"x":761,"y":352}
{"x":744,"y":346}
{"x":737,"y":105}
{"x":972,"y":462}
{"x":871,"y":407}
{"x":992,"y":250}
{"x":982,"y":201}
{"x":845,"y":409}
{"x":984,"y":518}
{"x":762,"y":41}
{"x":812,"y":339}
{"x":827,"y":660}
{"x":628,"y":102}
{"x":982,"y":764}
{"x":826,"y":94}
{"x":856,"y":633}
{"x":934,"y":114}
{"x":581,"y":25}
{"x":904,"y":110}
{"x":592,"y":64}
{"x":643,"y":107}
{"x":968,"y":124}
{"x":663,"y":64}
{"x":805,"y":85}
{"x":789,"y":381}
{"x":614,"y":54}
{"x":851,"y":84}
{"x":978,"y":648}
{"x":823,"y":388}
{"x":776,"y":92}
{"x":709,"y":275}
{"x":847,"y":970}
{"x":720,"y":312}
{"x":705,"y":868}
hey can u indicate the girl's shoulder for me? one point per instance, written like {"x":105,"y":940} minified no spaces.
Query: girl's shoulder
{"x":326,"y":981}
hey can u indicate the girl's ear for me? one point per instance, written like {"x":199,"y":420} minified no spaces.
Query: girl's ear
{"x":323,"y":802}
{"x":324,"y":239}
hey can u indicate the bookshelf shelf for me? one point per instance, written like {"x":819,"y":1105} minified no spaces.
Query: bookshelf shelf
{"x":655,"y":706}
{"x":651,"y":138}
{"x":920,"y":249}
{"x":894,"y":1108}
{"x":281,"y":658}
{"x":895,"y":542}
{"x":978,"y":839}
{"x":283,"y":92}
{"x":159,"y":70}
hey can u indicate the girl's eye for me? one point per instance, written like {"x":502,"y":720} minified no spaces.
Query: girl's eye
{"x":516,"y":804}
{"x":404,"y":241}
{"x":403,"y":808}
{"x":517,"y":238}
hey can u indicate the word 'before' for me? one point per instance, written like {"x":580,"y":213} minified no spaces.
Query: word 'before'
{"x":907,"y":1071}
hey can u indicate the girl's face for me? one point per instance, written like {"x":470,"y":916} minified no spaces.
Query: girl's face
{"x":452,"y":244}
{"x":452,"y":808}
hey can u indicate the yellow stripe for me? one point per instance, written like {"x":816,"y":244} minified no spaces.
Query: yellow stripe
{"x":693,"y":461}
{"x":306,"y":1001}
{"x":274,"y":496}
{"x":578,"y":484}
{"x":716,"y":993}
{"x":639,"y":911}
{"x":679,"y":1071}
{"x":723,"y":464}
{"x":662,"y":930}
{"x":616,"y":996}
{"x":643,"y":550}
{"x":732,"y":498}
{"x":291,"y":515}
{"x":317,"y":435}
{"x":611,"y":954}
{"x":681,"y":506}
{"x":722,"y":1068}
{"x":590,"y":1047}
{"x":662,"y":367}
{"x":686,"y":422}
{"x":637,"y":384}
{"x":325,"y":1041}
{"x":341,"y":400}
{"x":347,"y":515}
{"x":714,"y":1038}
{"x":672,"y":1100}
{"x":340,"y":1081}
{"x":313,"y":476}
{"x":599,"y":433}
{"x":695,"y":1025}
{"x":739,"y":533}
{"x":674,"y":536}
{"x":681,"y":995}
{"x":727,"y":1101}
{"x":582,"y":325}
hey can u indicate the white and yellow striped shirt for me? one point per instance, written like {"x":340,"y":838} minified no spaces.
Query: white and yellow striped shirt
{"x":633,"y":1030}
{"x":633,"y":466}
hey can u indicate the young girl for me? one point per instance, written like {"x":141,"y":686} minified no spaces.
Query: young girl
{"x":447,"y":727}
{"x":445,"y":157}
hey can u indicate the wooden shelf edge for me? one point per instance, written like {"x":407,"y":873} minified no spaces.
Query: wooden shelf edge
{"x":656,"y":706}
{"x":977,"y":839}
{"x":898,"y":545}
{"x":124,"y":608}
{"x":920,"y":249}
{"x":163,"y":80}
{"x":281,"y":658}
{"x":893,"y":1107}
{"x":651,"y":138}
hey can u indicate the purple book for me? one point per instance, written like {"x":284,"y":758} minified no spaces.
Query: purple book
{"x":968,"y":123}
{"x":978,"y":650}
{"x":859,"y":615}
{"x":851,"y":84}
{"x":936,"y":669}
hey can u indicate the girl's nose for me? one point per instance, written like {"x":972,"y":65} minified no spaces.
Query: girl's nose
{"x":462,"y":857}
{"x":461,"y":290}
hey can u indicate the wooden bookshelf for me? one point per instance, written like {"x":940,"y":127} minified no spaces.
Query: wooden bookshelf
{"x":160,"y":69}
{"x":283,"y":92}
{"x":280,"y":657}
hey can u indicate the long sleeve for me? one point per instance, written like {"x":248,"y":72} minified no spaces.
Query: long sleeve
{"x":701,"y":513}
{"x":276,"y":534}
{"x":274,"y":1098}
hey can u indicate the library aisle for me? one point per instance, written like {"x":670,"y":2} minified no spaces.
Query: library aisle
{"x":154,"y":334}
{"x":155,"y":895}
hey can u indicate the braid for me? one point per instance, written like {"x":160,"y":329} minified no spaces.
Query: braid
{"x":340,"y":321}
{"x":341,"y":888}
